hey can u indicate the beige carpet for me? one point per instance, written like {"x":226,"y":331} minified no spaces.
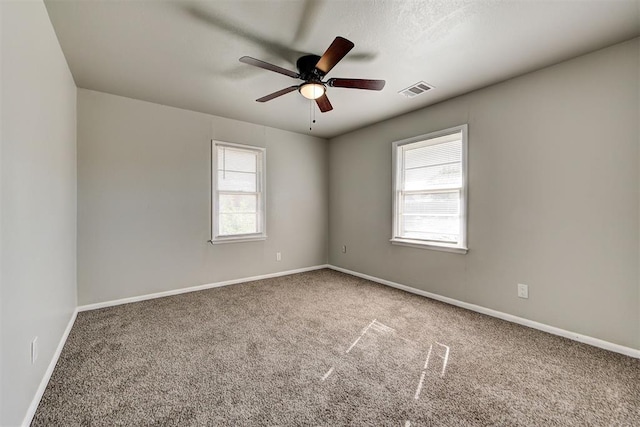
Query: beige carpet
{"x":326,"y":348}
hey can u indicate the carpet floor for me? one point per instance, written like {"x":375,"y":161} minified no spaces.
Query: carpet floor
{"x":326,"y":348}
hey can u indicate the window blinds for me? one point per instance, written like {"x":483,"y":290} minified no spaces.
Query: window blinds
{"x":238,"y":191}
{"x":431,"y":190}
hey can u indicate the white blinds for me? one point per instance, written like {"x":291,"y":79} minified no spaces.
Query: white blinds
{"x":238,"y":191}
{"x":431,"y":189}
{"x":433,"y":166}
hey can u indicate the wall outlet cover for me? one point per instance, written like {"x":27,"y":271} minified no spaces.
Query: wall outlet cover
{"x":523,"y":291}
{"x":34,"y":350}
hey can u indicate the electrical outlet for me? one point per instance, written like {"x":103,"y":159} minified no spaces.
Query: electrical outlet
{"x":523,"y":291}
{"x":34,"y":350}
{"x":278,"y":256}
{"x":344,"y":249}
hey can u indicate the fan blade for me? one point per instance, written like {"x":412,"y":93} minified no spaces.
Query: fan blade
{"x":309,"y":15}
{"x":277,"y":94}
{"x":236,"y":29}
{"x":357,"y":83}
{"x":338,"y":49}
{"x":257,"y":63}
{"x":323,"y":103}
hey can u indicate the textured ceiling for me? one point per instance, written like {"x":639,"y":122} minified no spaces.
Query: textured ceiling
{"x":185,"y":54}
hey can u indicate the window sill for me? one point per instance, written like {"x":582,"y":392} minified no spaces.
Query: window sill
{"x":432,"y":246}
{"x":237,"y":240}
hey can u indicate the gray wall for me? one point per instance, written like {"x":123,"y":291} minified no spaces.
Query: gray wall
{"x":144,"y":194}
{"x":38,"y":193}
{"x":553,"y":197}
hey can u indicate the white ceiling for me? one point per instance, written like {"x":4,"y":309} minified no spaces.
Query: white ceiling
{"x":185,"y":54}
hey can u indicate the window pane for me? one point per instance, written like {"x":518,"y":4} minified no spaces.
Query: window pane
{"x":238,"y":203}
{"x":237,"y":181}
{"x":434,"y":216}
{"x":432,"y":204}
{"x":231,"y":159}
{"x":429,"y":227}
{"x":433,"y":177}
{"x":436,"y":154}
{"x":236,"y":223}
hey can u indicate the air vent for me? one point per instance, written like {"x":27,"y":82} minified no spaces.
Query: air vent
{"x":416,"y":89}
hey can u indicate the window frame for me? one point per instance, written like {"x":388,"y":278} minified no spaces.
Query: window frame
{"x":261,"y":191}
{"x":397,"y":183}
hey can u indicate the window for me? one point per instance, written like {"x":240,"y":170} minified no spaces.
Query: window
{"x":238,"y":196}
{"x":430,"y":190}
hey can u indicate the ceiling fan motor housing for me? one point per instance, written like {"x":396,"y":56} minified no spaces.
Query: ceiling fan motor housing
{"x":307,"y":67}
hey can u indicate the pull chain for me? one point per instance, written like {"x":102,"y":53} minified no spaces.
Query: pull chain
{"x":312,"y":113}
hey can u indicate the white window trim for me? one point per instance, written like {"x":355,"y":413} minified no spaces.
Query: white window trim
{"x":262,"y":217}
{"x":460,"y":247}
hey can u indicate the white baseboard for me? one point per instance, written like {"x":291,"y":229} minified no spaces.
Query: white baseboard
{"x":628,"y":351}
{"x":196,"y":288}
{"x":47,"y":375}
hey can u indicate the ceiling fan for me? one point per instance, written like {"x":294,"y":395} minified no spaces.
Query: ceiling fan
{"x":312,"y":69}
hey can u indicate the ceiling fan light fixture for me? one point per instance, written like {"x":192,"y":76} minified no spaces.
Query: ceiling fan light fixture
{"x":312,"y":90}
